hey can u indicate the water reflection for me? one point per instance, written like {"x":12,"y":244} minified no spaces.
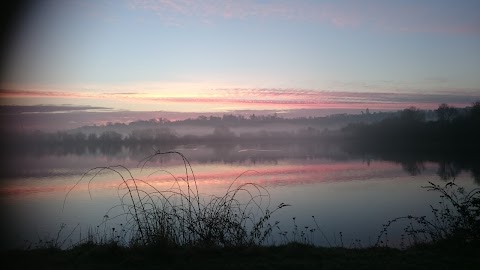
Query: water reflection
{"x":61,"y":161}
{"x":450,"y":163}
{"x":413,"y":167}
{"x":347,"y":189}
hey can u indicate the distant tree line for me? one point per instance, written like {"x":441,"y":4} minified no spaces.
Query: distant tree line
{"x":449,"y":127}
{"x":451,"y":139}
{"x":447,"y":135}
{"x":148,"y":136}
{"x":453,"y":129}
{"x":231,"y":121}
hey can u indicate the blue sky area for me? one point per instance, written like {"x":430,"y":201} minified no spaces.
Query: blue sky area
{"x":223,"y":56}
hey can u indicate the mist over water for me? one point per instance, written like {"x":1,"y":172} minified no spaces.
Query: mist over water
{"x":346,"y":182}
{"x":347,"y":191}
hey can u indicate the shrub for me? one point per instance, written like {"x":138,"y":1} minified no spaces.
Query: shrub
{"x":456,"y":218}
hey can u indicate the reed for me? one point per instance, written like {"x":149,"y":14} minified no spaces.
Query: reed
{"x":182,"y":216}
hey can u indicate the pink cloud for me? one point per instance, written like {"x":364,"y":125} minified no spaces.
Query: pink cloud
{"x":381,"y":15}
{"x":7,"y":93}
{"x":247,"y":9}
{"x":271,"y":98}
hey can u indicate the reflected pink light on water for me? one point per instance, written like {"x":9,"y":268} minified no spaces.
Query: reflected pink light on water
{"x":213,"y":177}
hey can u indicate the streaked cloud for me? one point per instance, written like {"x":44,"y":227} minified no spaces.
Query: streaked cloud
{"x":227,"y":99}
{"x":17,"y":109}
{"x":400,"y":16}
{"x":6,"y":93}
{"x":287,"y":102}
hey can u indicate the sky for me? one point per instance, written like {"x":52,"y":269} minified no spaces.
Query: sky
{"x":211,"y":56}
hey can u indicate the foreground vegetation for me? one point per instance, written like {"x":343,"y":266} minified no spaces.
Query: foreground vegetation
{"x":179,"y":228}
{"x":441,"y":255}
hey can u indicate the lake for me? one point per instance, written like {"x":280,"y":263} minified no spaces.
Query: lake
{"x":351,"y":195}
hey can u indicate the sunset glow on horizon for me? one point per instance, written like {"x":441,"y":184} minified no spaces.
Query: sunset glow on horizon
{"x":226,"y":56}
{"x":317,"y":125}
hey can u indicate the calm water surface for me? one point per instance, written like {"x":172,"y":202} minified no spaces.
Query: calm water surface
{"x":349,"y":194}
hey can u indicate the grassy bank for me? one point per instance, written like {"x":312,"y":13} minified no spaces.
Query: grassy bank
{"x":442,"y":255}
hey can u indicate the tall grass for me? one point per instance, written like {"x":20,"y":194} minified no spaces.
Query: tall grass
{"x":182,"y":216}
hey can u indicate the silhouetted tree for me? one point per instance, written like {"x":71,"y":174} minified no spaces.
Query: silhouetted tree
{"x":92,"y":138}
{"x":446,"y":113}
{"x":110,"y":137}
{"x":475,"y":112}
{"x":412,"y":114}
{"x":149,"y":135}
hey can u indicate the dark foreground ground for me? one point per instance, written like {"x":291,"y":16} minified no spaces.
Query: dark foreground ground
{"x":292,"y":256}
